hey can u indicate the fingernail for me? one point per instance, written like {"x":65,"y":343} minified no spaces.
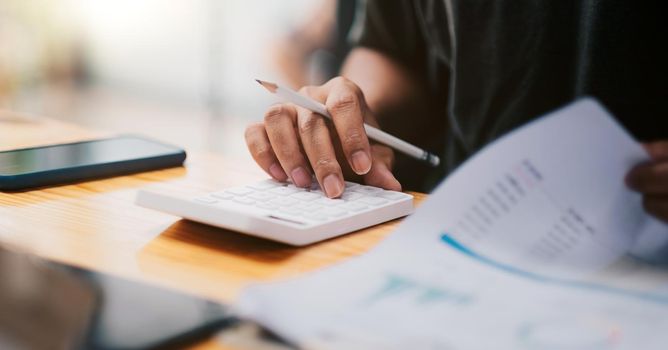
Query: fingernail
{"x":301,"y":177}
{"x":277,"y":172}
{"x":361,"y":162}
{"x":333,"y":186}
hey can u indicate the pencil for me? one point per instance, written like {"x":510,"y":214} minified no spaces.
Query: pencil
{"x":373,"y":133}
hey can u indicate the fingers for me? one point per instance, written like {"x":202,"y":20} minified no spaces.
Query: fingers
{"x":317,"y":143}
{"x":345,"y":102}
{"x":261,"y":151}
{"x":657,"y":206}
{"x":279,"y":123}
{"x":293,"y":140}
{"x":657,"y":150}
{"x":380,"y":174}
{"x":649,"y":178}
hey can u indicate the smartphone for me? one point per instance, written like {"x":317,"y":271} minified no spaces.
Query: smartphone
{"x":28,"y":168}
{"x":49,"y":305}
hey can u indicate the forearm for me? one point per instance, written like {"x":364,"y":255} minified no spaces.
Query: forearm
{"x":388,"y":86}
{"x":404,"y":107}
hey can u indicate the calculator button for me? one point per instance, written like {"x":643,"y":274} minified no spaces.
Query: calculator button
{"x":244,"y":200}
{"x":298,"y":189}
{"x":267,"y":206}
{"x":332,"y":212}
{"x":319,"y":193}
{"x":315,"y":216}
{"x":206,"y":200}
{"x":290,"y":210}
{"x":265,"y":185}
{"x":283,"y":202}
{"x":329,"y":201}
{"x":239,"y":191}
{"x":308,"y":207}
{"x":350,"y":185}
{"x":354,"y":206}
{"x":222,"y":195}
{"x":391,"y":195}
{"x":373,"y":200}
{"x":283,"y":191}
{"x":306,"y":196}
{"x":351,"y":196}
{"x":368,"y":190}
{"x":261,"y":196}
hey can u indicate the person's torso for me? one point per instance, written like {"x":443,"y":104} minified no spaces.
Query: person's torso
{"x":503,"y":63}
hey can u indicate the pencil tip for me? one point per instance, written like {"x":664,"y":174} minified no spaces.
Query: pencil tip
{"x":267,"y":85}
{"x":434,"y":160}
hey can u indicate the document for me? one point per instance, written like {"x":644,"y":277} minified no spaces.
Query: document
{"x":534,"y":243}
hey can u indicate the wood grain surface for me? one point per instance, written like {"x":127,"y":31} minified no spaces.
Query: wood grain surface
{"x":96,"y":224}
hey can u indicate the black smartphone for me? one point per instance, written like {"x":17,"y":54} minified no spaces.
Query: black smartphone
{"x":48,"y":305}
{"x":71,"y":162}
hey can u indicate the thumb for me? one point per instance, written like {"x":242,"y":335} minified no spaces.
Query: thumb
{"x":380,"y":174}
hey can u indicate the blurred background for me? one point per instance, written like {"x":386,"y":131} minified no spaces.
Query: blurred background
{"x":178,"y":70}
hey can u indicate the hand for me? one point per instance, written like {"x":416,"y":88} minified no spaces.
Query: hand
{"x":294,"y":142}
{"x":651,"y":179}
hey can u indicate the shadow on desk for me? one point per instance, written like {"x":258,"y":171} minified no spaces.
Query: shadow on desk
{"x":226,"y":241}
{"x":213,"y":262}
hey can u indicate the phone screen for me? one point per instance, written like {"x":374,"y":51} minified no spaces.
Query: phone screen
{"x":38,"y":159}
{"x":47,"y":305}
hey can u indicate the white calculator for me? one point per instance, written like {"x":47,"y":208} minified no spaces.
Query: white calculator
{"x":283,"y":212}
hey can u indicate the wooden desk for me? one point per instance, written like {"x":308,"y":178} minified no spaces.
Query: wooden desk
{"x":96,"y":225}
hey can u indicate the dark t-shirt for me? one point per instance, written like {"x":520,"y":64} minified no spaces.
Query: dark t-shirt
{"x":494,"y":65}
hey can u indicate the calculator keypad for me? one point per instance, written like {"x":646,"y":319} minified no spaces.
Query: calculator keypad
{"x":310,"y":204}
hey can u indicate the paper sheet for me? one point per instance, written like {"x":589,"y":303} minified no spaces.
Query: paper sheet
{"x":525,"y":246}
